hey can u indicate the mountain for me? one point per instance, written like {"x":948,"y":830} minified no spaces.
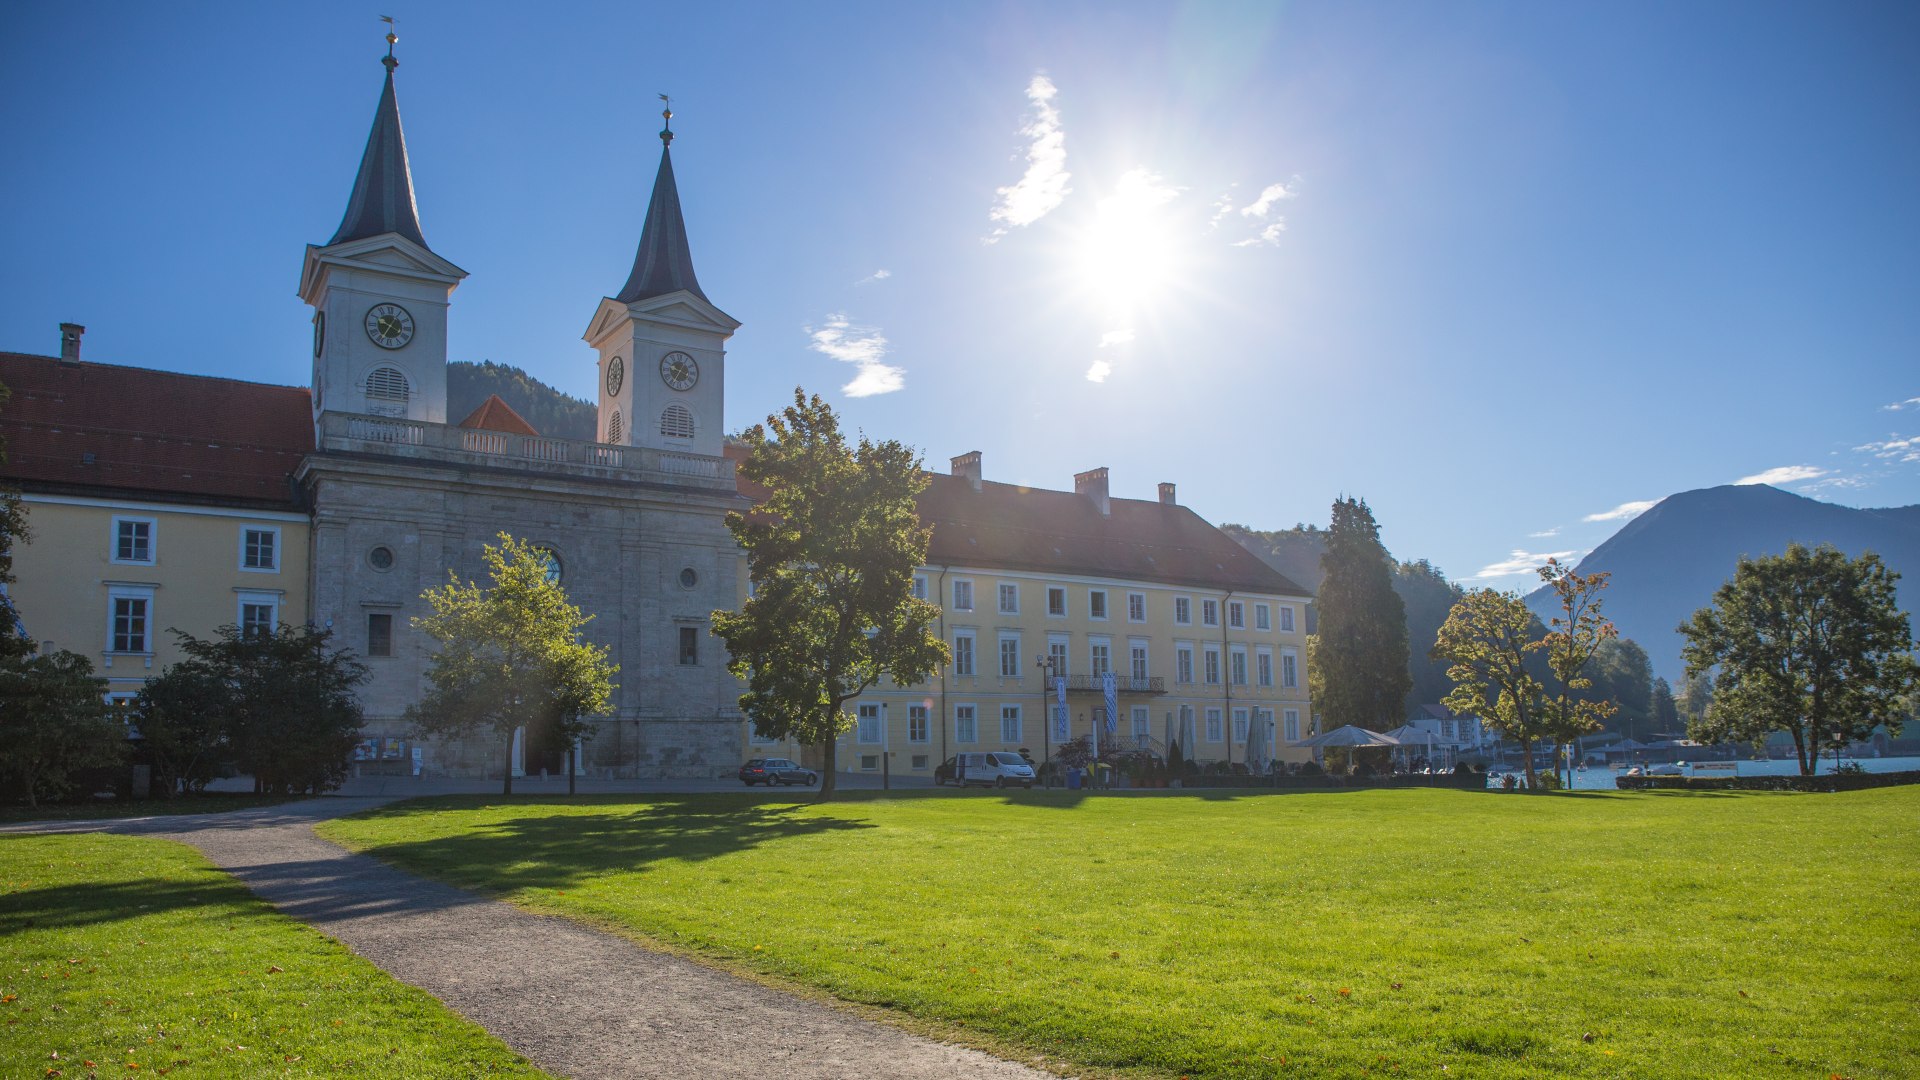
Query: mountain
{"x":552,"y":413}
{"x":1667,"y":562}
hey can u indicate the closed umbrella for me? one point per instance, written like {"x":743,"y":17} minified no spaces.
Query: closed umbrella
{"x":1257,"y":753}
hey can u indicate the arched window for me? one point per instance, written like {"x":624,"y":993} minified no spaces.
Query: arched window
{"x":387,"y":392}
{"x":613,"y":427}
{"x":676,"y":422}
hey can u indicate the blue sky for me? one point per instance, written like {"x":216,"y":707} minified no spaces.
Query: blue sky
{"x":1503,"y":270}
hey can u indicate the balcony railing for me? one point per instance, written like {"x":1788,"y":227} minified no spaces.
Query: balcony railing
{"x":412,"y":438}
{"x":1126,"y":684}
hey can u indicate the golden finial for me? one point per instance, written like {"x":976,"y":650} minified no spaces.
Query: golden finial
{"x":393,"y":38}
{"x":666,"y":133}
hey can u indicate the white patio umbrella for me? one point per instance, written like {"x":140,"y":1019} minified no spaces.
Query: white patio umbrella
{"x":1411,"y":736}
{"x":1350,"y":736}
{"x":1257,"y":753}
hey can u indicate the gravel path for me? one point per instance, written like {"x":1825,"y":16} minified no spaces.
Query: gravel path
{"x":575,"y":1001}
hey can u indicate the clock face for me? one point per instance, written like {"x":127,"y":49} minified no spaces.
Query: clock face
{"x":679,"y":371}
{"x":616,"y":374}
{"x":389,"y":326}
{"x":319,"y":332}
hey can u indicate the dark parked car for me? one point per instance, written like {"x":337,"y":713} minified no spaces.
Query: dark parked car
{"x":943,"y":772}
{"x":776,"y":770}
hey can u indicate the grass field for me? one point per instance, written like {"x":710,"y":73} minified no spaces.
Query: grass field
{"x":214,"y":803}
{"x":132,"y":957}
{"x":1373,"y":933}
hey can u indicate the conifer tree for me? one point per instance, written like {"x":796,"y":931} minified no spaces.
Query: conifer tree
{"x":1358,"y":674}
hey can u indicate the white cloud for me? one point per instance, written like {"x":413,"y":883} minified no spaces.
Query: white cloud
{"x":1624,"y":511}
{"x":1098,"y":371}
{"x":862,"y":346}
{"x":1044,"y":186}
{"x":1894,"y":449}
{"x":1912,"y":402}
{"x":1522,"y":562}
{"x":1544,"y":533}
{"x":1265,"y":237}
{"x":1269,"y":195}
{"x":1222,"y":206}
{"x":881,"y":274}
{"x":1785,"y":474}
{"x":1117,"y":337}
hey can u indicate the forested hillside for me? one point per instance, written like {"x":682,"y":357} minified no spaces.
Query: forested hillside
{"x":548,"y":410}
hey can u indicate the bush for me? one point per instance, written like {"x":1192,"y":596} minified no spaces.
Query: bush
{"x":55,"y":724}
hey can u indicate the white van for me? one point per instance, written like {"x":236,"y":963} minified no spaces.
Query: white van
{"x":996,"y":769}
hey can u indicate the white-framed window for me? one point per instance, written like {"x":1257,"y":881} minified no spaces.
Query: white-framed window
{"x":1183,"y":611}
{"x":1236,"y":615}
{"x":129,"y":619}
{"x":963,"y":652}
{"x":1237,"y":666}
{"x":917,"y":724}
{"x":1057,"y":601}
{"x":1009,"y":598}
{"x":1213,"y":666}
{"x":1263,"y":667}
{"x":133,"y":540}
{"x":676,"y":422}
{"x":1262,"y":617}
{"x":1096,"y":603}
{"x":259,"y":613}
{"x":1239,"y":725}
{"x":1136,"y":607}
{"x":962,"y":595}
{"x":920,"y":762}
{"x":260,"y":548}
{"x":919,"y":586}
{"x":1183,"y":663}
{"x":867,"y":728}
{"x":1010,"y":724}
{"x":1210,"y":613}
{"x":869,"y":762}
{"x":1286,"y":618}
{"x":1137,"y":659}
{"x":1291,"y":719}
{"x":1009,"y":656}
{"x":1058,"y":650}
{"x":1142,"y":727}
{"x":966,"y":724}
{"x":1214,"y":731}
{"x":1099,"y":657}
{"x":1289,"y":669}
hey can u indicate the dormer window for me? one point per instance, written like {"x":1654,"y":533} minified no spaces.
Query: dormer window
{"x":387,"y":392}
{"x":676,"y":422}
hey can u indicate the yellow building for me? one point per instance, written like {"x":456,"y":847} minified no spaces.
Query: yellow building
{"x":1203,"y":638}
{"x":156,"y":501}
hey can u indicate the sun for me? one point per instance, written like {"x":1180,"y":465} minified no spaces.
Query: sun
{"x":1129,"y":248}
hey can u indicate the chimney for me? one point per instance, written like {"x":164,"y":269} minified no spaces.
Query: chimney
{"x":1166,"y":495}
{"x":1093,"y":484}
{"x":968,"y":465}
{"x":70,"y":342}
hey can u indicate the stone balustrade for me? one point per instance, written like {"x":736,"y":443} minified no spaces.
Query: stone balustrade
{"x":499,"y":449}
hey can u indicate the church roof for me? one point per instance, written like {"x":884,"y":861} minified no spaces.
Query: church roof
{"x":664,"y":262}
{"x":382,"y":199}
{"x":99,"y":428}
{"x":496,"y":415}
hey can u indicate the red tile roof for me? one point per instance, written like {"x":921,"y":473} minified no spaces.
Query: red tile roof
{"x":101,"y":428}
{"x":1005,"y":526}
{"x":496,"y":415}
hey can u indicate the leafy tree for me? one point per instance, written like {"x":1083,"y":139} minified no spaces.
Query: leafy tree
{"x":1428,"y":597}
{"x":1811,"y":643}
{"x":1487,"y":642}
{"x":1666,"y":712}
{"x":54,"y":722}
{"x":831,"y":552}
{"x":511,"y":656}
{"x":1571,"y":642}
{"x":277,"y":705}
{"x":1358,"y":672}
{"x":1695,"y":696}
{"x":14,"y":643}
{"x":1623,"y":674}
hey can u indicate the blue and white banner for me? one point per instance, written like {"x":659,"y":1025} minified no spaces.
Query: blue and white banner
{"x":1112,"y":686}
{"x":1061,"y":730}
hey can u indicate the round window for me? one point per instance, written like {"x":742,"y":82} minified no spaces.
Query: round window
{"x":688,"y":579}
{"x":380,"y":558}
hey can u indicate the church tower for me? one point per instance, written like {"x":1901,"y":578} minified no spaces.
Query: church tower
{"x":662,"y":343}
{"x":379,"y":294}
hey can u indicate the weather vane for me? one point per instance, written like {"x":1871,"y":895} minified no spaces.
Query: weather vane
{"x":666,"y":133}
{"x":392,"y":39}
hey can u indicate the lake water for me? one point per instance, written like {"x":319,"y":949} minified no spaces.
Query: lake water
{"x":1598,"y":778}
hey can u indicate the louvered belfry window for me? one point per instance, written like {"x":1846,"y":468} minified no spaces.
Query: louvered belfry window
{"x":676,"y":422}
{"x":387,"y":392}
{"x":613,"y":427}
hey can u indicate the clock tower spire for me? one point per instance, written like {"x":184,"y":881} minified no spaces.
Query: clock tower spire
{"x":379,"y":293}
{"x":662,"y":343}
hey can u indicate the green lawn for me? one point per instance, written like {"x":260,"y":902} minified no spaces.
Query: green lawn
{"x":131,"y":957}
{"x":218,"y":803}
{"x":1339,"y":934}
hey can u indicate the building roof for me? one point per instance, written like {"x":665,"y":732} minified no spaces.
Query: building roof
{"x":382,"y":199}
{"x":100,"y":428}
{"x":664,"y":262}
{"x":496,"y":415}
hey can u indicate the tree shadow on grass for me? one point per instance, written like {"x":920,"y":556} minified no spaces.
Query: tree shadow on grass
{"x":559,"y":850}
{"x":65,"y":907}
